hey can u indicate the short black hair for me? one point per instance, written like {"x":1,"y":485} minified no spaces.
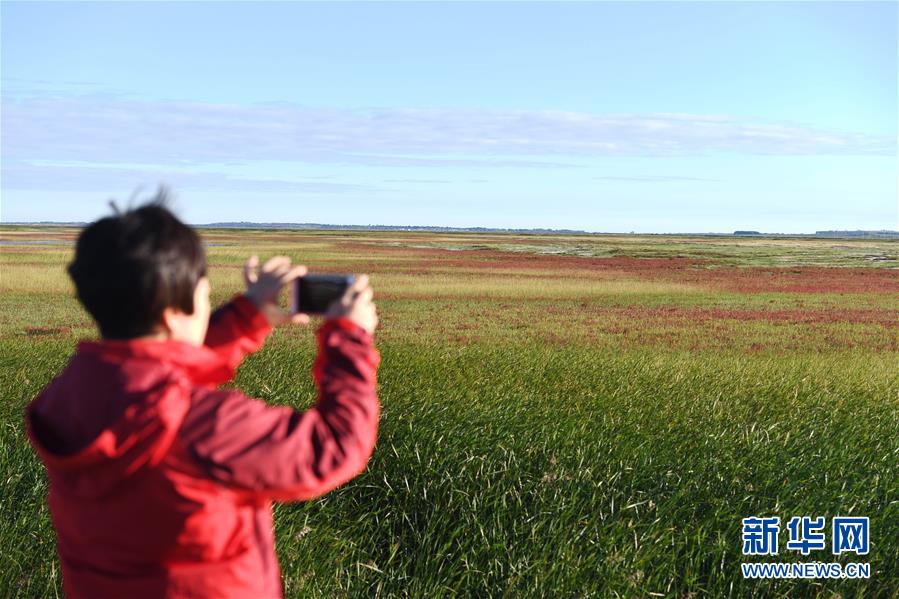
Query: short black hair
{"x":130,"y":267}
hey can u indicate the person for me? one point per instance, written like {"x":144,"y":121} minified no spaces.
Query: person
{"x":161,"y":481}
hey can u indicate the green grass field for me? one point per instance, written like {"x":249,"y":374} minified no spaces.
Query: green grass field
{"x":584,"y":416}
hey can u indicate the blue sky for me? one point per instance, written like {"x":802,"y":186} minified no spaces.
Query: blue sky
{"x":640,"y":116}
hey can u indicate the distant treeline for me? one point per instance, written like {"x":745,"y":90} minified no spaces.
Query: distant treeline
{"x":247,"y":225}
{"x":421,"y":228}
{"x":884,"y":233}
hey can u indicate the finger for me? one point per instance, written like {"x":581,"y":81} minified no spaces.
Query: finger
{"x":273,"y":263}
{"x":358,"y":286}
{"x":349,"y":296}
{"x":280,"y":270}
{"x":353,"y":290}
{"x":294,"y":273}
{"x":360,"y":283}
{"x":300,"y":318}
{"x":365,"y":295}
{"x":249,"y":269}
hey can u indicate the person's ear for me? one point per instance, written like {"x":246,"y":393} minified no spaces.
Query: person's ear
{"x":201,"y":292}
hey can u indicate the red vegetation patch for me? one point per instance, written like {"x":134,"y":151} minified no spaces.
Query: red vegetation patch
{"x":438,"y":257}
{"x":20,"y":249}
{"x":45,"y":330}
{"x":808,"y":279}
{"x":691,"y":271}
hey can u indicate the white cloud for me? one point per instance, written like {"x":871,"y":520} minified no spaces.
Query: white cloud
{"x":67,"y":177}
{"x":115,"y":130}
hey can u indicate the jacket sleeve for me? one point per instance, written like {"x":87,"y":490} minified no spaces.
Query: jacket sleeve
{"x":285,"y":454}
{"x":237,"y":329}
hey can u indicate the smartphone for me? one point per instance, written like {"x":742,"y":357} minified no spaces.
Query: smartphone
{"x":313,"y":293}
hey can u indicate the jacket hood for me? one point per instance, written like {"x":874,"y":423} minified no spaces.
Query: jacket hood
{"x":116,"y":409}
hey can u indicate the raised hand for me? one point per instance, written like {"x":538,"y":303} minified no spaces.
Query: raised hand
{"x":264,"y":286}
{"x":356,"y":305}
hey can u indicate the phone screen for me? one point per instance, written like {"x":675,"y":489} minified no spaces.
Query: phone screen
{"x":313,"y":293}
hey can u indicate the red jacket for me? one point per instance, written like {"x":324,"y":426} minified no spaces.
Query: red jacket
{"x":161,"y":485}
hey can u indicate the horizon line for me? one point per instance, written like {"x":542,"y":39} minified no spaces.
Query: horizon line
{"x":482,"y":229}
